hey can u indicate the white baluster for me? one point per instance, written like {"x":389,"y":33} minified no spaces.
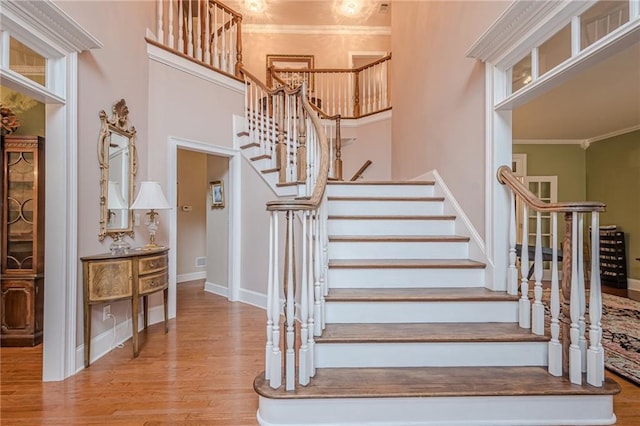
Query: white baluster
{"x":234,"y":49}
{"x":303,"y":370}
{"x":525,"y":303}
{"x":581,"y":293}
{"x":181,"y":46}
{"x":575,"y":355}
{"x":160,"y":23}
{"x":275,"y":371}
{"x":216,"y":54}
{"x":270,"y":290}
{"x":290,"y":361}
{"x":223,"y":47}
{"x":190,"y":31}
{"x":311,"y":369}
{"x":595,"y":355}
{"x":513,"y":271}
{"x":171,"y":35}
{"x":318,"y":307}
{"x":198,"y":33}
{"x":537,"y":323}
{"x":207,"y":34}
{"x":555,"y":347}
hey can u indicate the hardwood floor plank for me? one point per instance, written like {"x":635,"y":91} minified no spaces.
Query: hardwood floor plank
{"x":201,"y":373}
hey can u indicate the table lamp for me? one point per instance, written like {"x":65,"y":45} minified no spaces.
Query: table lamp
{"x":151,"y":198}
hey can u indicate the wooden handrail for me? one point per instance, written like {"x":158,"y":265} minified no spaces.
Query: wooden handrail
{"x":361,"y":170}
{"x":506,"y":177}
{"x":312,"y":202}
{"x":332,"y":70}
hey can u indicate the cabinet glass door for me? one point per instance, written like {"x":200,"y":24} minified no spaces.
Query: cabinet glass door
{"x":20,"y":207}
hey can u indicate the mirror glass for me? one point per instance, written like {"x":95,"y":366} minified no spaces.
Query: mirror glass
{"x":117,"y":158}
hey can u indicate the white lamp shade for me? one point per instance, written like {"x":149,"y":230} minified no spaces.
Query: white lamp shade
{"x":114,"y":197}
{"x":150,"y":197}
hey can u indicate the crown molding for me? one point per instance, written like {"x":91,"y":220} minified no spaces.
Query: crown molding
{"x":523,"y":25}
{"x":36,"y":20}
{"x":584,"y":143}
{"x":613,"y":134}
{"x":315,"y":29}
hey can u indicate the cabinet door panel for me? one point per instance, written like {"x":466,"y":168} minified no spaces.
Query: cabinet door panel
{"x":109,"y":280}
{"x":17,"y":306}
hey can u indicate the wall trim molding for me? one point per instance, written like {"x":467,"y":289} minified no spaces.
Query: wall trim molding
{"x":219,"y":289}
{"x":316,"y":29}
{"x":191,"y":276}
{"x":633,"y":284}
{"x":181,"y":64}
{"x":585,"y":143}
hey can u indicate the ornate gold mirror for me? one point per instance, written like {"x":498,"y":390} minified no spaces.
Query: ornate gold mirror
{"x":118,"y":164}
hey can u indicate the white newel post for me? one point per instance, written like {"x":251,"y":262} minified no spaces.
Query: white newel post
{"x":270,"y":284}
{"x":595,"y":355}
{"x":290,"y":284}
{"x":582,"y":293}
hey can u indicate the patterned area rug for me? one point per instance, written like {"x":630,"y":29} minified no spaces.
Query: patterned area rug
{"x":621,"y":336}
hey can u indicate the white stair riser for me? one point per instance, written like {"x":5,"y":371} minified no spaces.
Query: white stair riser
{"x":252,"y":152}
{"x":263,"y":164}
{"x":417,"y":312}
{"x":373,"y":208}
{"x":360,"y":190}
{"x":402,"y":278}
{"x":543,"y":410}
{"x":398,"y":250}
{"x":390,"y":227}
{"x":445,"y":354}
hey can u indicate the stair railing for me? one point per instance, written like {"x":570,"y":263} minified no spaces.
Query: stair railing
{"x":204,"y":30}
{"x":289,"y":129}
{"x":569,"y":355}
{"x":331,"y":125}
{"x":351,"y":93}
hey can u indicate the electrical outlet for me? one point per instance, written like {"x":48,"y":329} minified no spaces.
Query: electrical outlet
{"x":106,"y":312}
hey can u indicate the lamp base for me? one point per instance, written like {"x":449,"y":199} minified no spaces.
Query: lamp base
{"x":150,"y":246}
{"x":119,"y":245}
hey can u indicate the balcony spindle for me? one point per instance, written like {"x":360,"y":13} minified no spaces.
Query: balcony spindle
{"x":170,"y":37}
{"x":207,"y":33}
{"x":160,"y":23}
{"x":190,"y":30}
{"x":181,"y":47}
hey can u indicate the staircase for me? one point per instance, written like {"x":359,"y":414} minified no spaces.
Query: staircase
{"x":413,"y":336}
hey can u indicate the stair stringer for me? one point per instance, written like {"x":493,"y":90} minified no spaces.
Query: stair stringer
{"x":240,"y":141}
{"x":463,"y":226}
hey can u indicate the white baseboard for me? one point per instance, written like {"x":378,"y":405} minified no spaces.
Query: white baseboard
{"x":192,"y":276}
{"x":633,"y":284}
{"x":219,"y":289}
{"x":104,"y":343}
{"x":253,"y":298}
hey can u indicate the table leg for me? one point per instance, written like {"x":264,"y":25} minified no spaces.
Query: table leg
{"x":87,"y":335}
{"x":134,"y":320}
{"x":145,"y":302}
{"x":165,"y":293}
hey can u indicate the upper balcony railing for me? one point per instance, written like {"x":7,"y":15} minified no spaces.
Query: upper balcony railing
{"x":351,"y":93}
{"x":204,"y":30}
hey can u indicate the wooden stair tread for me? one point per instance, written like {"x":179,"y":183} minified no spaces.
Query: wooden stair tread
{"x":399,"y":238}
{"x":391,"y":217}
{"x":261,"y":157}
{"x":384,"y":182}
{"x":427,"y":333}
{"x":405,"y":263}
{"x":466,"y":294}
{"x":384,"y":198}
{"x":414,"y":382}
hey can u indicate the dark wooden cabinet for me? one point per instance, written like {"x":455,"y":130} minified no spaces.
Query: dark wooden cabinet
{"x":613,"y":258}
{"x":22,"y":281}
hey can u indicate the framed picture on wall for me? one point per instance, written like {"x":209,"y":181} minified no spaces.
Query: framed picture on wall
{"x":216,"y":194}
{"x":291,"y":63}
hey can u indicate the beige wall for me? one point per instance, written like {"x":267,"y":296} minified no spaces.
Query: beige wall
{"x":371,"y":141}
{"x":118,"y":70}
{"x":191,"y":226}
{"x":438,"y":96}
{"x":218,"y":225}
{"x":329,"y":51}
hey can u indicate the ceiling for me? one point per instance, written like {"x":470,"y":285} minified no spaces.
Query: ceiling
{"x":601,"y":100}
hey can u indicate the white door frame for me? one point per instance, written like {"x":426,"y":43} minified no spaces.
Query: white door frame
{"x":234,"y":197}
{"x":517,"y":32}
{"x":49,"y":31}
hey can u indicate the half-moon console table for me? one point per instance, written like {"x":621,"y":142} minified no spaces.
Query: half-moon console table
{"x":108,"y":278}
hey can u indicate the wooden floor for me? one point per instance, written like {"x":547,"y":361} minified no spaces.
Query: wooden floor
{"x":201,"y":373}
